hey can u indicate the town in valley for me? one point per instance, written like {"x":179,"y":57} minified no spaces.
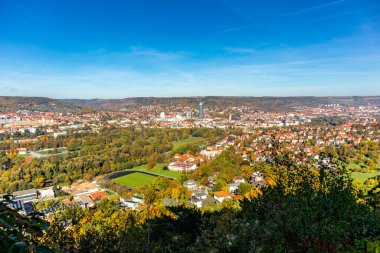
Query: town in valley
{"x":309,"y":135}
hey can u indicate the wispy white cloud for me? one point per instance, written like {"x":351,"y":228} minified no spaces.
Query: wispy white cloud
{"x":8,"y":89}
{"x":236,"y":28}
{"x":254,"y":23}
{"x":237,"y":9}
{"x":155,"y":54}
{"x":240,"y":50}
{"x":342,"y":66}
{"x":313,"y":8}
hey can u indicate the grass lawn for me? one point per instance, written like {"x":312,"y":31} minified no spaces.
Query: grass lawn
{"x":62,"y":149}
{"x":190,"y":140}
{"x":43,"y":152}
{"x":51,"y":151}
{"x":134,"y":179}
{"x":363,"y":176}
{"x":158,"y":170}
{"x":23,"y":155}
{"x":355,"y":166}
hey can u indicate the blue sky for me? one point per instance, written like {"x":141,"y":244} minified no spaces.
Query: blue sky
{"x":122,"y":48}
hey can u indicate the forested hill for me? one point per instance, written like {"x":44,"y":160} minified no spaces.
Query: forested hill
{"x":261,"y":103}
{"x":11,"y":104}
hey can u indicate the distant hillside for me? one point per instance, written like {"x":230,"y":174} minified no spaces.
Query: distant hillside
{"x":36,"y":104}
{"x":261,"y":103}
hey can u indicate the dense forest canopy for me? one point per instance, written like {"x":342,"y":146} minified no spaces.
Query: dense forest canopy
{"x":302,"y":210}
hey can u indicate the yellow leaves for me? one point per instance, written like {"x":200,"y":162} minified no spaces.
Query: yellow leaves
{"x":113,"y":198}
{"x":155,"y":211}
{"x":357,"y":185}
{"x":176,"y":193}
{"x":6,"y":175}
{"x":188,"y":194}
{"x":225,"y":188}
{"x":85,"y":219}
{"x":254,"y":193}
{"x":361,"y":201}
{"x":40,"y":181}
{"x":44,"y":138}
{"x":270,"y":182}
{"x":314,"y":172}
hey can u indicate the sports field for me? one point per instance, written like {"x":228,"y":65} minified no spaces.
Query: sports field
{"x":158,"y":169}
{"x":134,"y":179}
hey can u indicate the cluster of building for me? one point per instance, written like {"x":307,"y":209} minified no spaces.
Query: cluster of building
{"x":245,"y":117}
{"x":290,"y":131}
{"x":187,"y":163}
{"x":250,"y":118}
{"x":309,"y":140}
{"x":24,"y":201}
{"x":202,"y":195}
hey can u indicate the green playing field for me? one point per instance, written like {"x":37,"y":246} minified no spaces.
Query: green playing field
{"x":134,"y":179}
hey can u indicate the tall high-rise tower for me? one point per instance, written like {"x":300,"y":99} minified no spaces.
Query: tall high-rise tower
{"x":201,"y":110}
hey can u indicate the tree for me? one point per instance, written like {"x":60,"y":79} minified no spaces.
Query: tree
{"x":244,"y":188}
{"x":39,"y":182}
{"x":308,"y":210}
{"x":151,"y":163}
{"x":20,"y":234}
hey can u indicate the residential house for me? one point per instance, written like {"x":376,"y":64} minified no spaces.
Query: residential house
{"x":87,"y":200}
{"x":97,"y":196}
{"x":232,"y":187}
{"x":222,"y":195}
{"x":190,"y":184}
{"x":257,"y":179}
{"x":138,"y":199}
{"x":130,"y":204}
{"x":238,"y":179}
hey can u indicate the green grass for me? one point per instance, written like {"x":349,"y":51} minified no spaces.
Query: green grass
{"x":62,"y":149}
{"x":158,"y":169}
{"x":363,"y":176}
{"x":134,"y":179}
{"x":51,"y":151}
{"x":353,"y":166}
{"x":23,"y":155}
{"x":43,"y":152}
{"x":190,"y":140}
{"x":358,"y":166}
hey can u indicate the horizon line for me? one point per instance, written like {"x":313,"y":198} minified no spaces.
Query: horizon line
{"x":207,"y":96}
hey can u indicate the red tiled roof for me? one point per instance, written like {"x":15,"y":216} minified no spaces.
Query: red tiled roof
{"x":238,"y":197}
{"x":222,"y":194}
{"x":98,"y":195}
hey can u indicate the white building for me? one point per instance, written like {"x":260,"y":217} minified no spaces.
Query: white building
{"x":190,"y":184}
{"x":47,"y":193}
{"x":59,"y":133}
{"x":182,"y":166}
